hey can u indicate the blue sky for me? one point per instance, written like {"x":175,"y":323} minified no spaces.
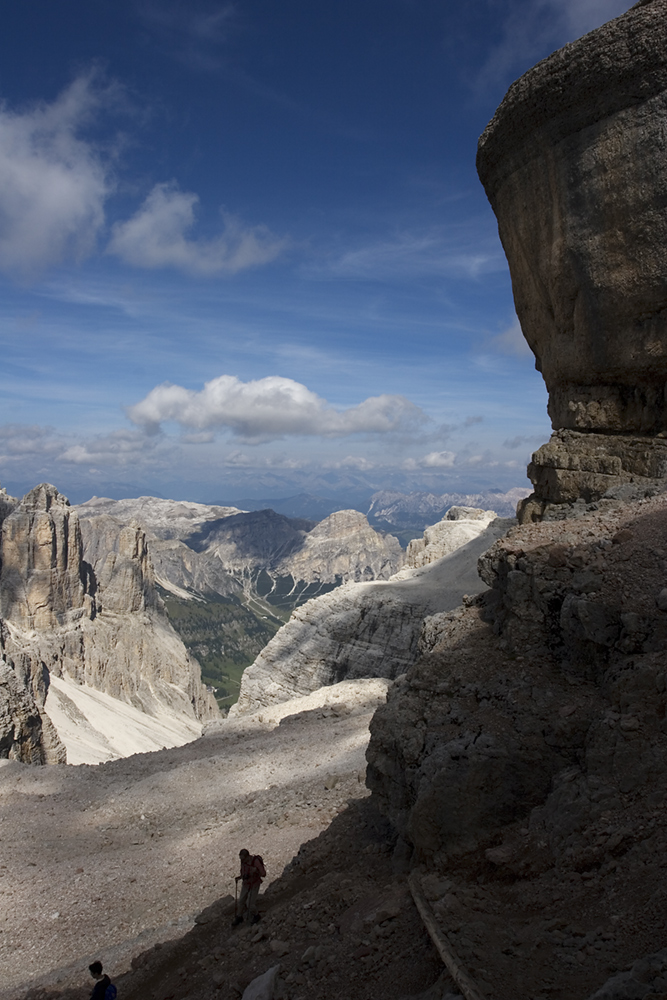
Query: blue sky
{"x":244,"y":250}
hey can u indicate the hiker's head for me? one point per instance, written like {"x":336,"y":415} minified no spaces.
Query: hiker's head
{"x":96,"y":969}
{"x":244,"y":854}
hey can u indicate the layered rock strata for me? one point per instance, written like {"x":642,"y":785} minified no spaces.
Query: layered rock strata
{"x":98,"y":625}
{"x":367,"y":629}
{"x":572,"y":163}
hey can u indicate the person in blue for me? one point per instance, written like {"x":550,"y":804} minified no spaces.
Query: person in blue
{"x":102,"y":983}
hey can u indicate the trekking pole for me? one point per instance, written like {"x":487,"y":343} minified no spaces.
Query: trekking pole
{"x":236,"y":899}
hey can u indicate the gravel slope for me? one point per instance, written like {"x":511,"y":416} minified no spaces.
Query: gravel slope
{"x":109,"y":859}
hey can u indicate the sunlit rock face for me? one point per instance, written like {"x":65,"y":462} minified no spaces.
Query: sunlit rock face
{"x":573,"y":163}
{"x":41,"y":582}
{"x":95,"y":624}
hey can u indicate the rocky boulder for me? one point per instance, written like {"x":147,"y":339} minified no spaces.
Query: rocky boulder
{"x":572,"y":163}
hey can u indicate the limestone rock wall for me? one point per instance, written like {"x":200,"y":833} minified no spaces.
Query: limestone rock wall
{"x":122,"y":571}
{"x":573,"y":165}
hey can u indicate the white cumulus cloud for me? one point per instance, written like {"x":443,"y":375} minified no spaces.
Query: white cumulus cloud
{"x":438,"y":460}
{"x":270,"y":408}
{"x":53,"y":184}
{"x":157,"y":236}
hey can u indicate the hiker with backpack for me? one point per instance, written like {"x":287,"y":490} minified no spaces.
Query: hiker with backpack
{"x":252,"y":873}
{"x":103,"y":989}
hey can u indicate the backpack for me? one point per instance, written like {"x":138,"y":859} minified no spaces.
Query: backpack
{"x":259,"y":865}
{"x":110,"y":992}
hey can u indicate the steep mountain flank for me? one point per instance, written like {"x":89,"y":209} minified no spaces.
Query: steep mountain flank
{"x":343,"y":547}
{"x":96,"y":626}
{"x":367,"y":629}
{"x":577,"y":144}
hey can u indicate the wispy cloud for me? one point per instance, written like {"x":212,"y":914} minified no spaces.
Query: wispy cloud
{"x":118,"y":448}
{"x":433,"y":460}
{"x":53,"y":184}
{"x":156,"y":236}
{"x":270,"y":408}
{"x":406,"y":255}
{"x":511,"y":341}
{"x":18,"y":441}
{"x":534,"y":28}
{"x":191,"y":32}
{"x":524,"y":441}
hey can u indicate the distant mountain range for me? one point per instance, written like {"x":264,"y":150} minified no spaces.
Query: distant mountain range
{"x":391,"y":510}
{"x":230,"y":578}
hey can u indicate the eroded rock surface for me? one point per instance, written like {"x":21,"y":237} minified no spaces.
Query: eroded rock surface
{"x":572,"y":163}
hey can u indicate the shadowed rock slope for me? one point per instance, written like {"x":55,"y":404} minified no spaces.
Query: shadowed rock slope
{"x":528,"y":748}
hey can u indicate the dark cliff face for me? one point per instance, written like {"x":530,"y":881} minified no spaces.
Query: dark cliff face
{"x":543,"y":701}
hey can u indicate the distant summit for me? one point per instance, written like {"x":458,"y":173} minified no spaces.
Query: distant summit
{"x":390,"y":509}
{"x":306,"y":505}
